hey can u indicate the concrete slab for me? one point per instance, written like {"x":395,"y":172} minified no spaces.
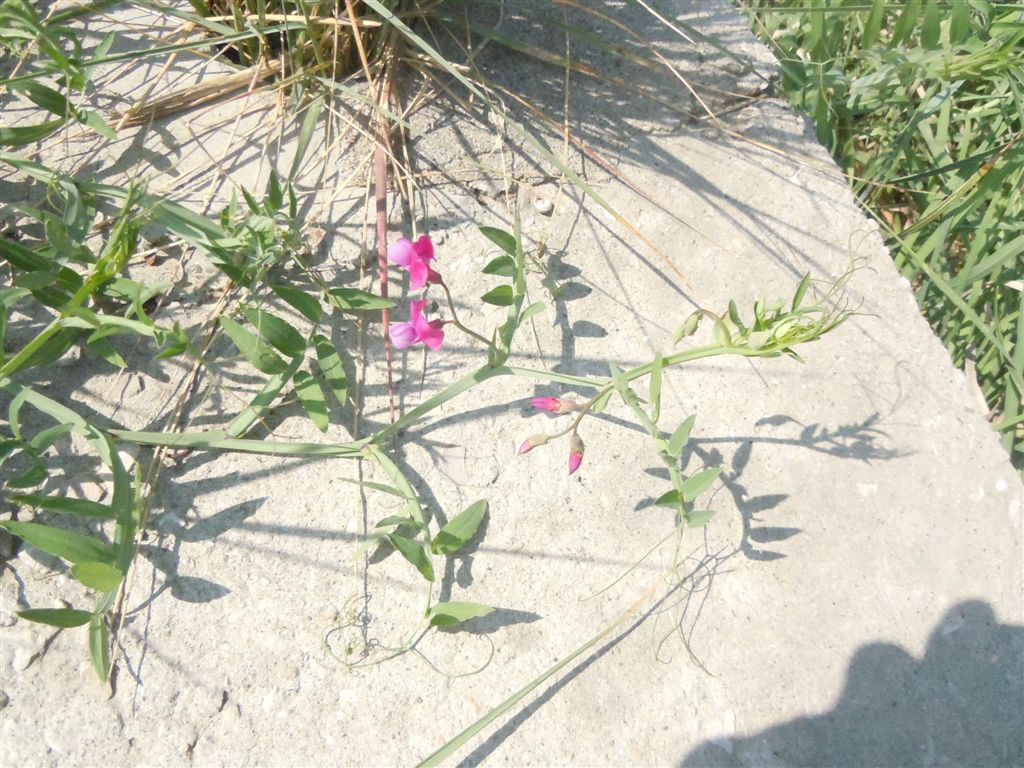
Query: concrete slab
{"x":858,"y":599}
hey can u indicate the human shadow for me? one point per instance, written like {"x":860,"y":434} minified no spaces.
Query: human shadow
{"x":962,"y":703}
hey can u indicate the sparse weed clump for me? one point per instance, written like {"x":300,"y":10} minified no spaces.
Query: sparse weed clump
{"x":67,"y":285}
{"x":923,"y":104}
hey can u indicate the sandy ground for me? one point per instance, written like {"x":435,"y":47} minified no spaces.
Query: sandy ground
{"x":857,"y":599}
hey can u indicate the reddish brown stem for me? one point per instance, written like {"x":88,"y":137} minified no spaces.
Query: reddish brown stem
{"x":380,"y":183}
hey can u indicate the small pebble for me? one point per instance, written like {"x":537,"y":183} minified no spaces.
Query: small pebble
{"x":543,"y":206}
{"x":4,"y":700}
{"x":71,"y":357}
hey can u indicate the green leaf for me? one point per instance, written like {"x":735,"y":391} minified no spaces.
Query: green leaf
{"x":619,"y":380}
{"x":72,"y":547}
{"x":668,"y":499}
{"x":44,"y":96}
{"x":94,"y":121}
{"x":313,"y":111}
{"x":688,"y":328}
{"x":602,"y":402}
{"x":655,"y":391}
{"x":500,"y":238}
{"x":56,"y":617}
{"x":275,"y":195}
{"x":331,"y":367}
{"x":99,"y":646}
{"x":873,"y":26}
{"x":681,"y":436}
{"x":105,"y":349}
{"x":460,"y":529}
{"x":354,"y":300}
{"x":801,"y":291}
{"x":930,"y":26}
{"x":451,"y":613}
{"x":696,"y":485}
{"x":262,"y":400}
{"x":99,"y":576}
{"x":69,"y":506}
{"x":254,"y":349}
{"x":502,"y":296}
{"x":699,"y":519}
{"x":308,"y":305}
{"x":275,"y":331}
{"x":312,"y":399}
{"x":530,"y":311}
{"x":721,"y":333}
{"x":29,"y":134}
{"x":414,"y":552}
{"x":504,"y":266}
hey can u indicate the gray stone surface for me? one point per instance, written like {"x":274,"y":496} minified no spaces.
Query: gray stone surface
{"x":857,"y":600}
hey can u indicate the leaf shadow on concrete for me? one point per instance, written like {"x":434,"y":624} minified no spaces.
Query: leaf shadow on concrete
{"x":962,"y":703}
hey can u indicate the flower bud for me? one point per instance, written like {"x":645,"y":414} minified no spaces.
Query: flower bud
{"x":575,"y":452}
{"x":552,"y":404}
{"x":532,"y":442}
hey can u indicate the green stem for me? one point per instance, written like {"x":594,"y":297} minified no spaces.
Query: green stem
{"x":484,"y":373}
{"x":455,"y":318}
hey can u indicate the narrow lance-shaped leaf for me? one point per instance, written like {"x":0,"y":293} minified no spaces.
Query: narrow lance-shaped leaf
{"x":275,"y":331}
{"x":655,"y":392}
{"x":504,"y":240}
{"x":305,"y":303}
{"x":503,"y":266}
{"x":502,"y":296}
{"x":331,"y":367}
{"x":681,"y":436}
{"x":56,"y":617}
{"x":311,"y":397}
{"x":263,"y":400}
{"x":414,"y":552}
{"x":699,"y":519}
{"x":354,"y":300}
{"x":460,"y":529}
{"x":253,"y":348}
{"x":696,"y":485}
{"x":99,"y":576}
{"x":70,"y":506}
{"x":73,"y":547}
{"x":451,"y":613}
{"x":99,"y":646}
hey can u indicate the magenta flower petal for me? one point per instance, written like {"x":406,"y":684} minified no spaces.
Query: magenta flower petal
{"x":416,"y":258}
{"x":416,"y":310}
{"x":552,"y":404}
{"x":419,"y":273}
{"x":430,"y":333}
{"x":402,"y":252}
{"x":403,"y":335}
{"x":424,"y":248}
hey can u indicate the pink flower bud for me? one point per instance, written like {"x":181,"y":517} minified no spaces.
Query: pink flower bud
{"x":532,"y":442}
{"x":552,"y":404}
{"x":575,"y":453}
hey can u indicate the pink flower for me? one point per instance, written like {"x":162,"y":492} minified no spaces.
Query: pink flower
{"x":416,"y":258}
{"x":552,"y":404}
{"x":575,"y":453}
{"x":417,"y":329}
{"x":532,"y":442}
